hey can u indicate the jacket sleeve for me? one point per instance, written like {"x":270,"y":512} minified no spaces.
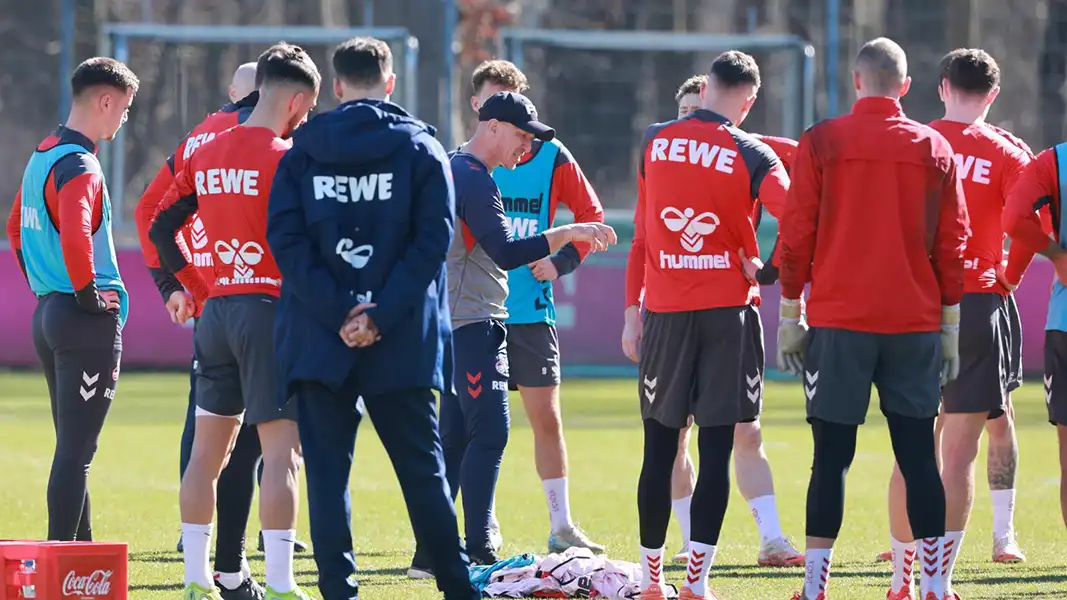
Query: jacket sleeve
{"x":143,"y":215}
{"x":797,"y":227}
{"x":433,"y":215}
{"x":303,"y":271}
{"x":178,"y":205}
{"x":951,"y":237}
{"x":572,"y":188}
{"x":14,"y":232}
{"x":1032,"y":196}
{"x":635,"y":261}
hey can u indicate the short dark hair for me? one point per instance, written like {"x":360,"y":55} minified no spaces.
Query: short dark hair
{"x":286,"y":63}
{"x":102,"y":70}
{"x":691,"y":86}
{"x":970,"y":70}
{"x":884,"y":66}
{"x":500,"y":72}
{"x":363,"y":61}
{"x":734,"y":68}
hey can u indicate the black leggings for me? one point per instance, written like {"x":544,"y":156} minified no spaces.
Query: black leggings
{"x":712,"y":493}
{"x":80,"y":354}
{"x":913,"y":445}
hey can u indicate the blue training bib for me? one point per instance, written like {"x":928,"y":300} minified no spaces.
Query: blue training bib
{"x":527,"y":193}
{"x":41,"y":249}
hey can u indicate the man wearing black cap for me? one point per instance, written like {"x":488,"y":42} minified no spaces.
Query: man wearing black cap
{"x":475,"y":419}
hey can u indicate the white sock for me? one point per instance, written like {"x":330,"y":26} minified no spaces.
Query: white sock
{"x":932,"y":581}
{"x":765,"y":511}
{"x":700,"y":558}
{"x":196,"y":544}
{"x":681,"y":512}
{"x":817,"y":575}
{"x":1003,"y":512}
{"x":651,"y":568}
{"x":232,"y":581}
{"x":278,"y":551}
{"x":559,"y":505}
{"x":950,"y":550}
{"x":903,"y":563}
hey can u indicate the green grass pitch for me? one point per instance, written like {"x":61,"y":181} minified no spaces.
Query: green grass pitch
{"x":135,"y":493}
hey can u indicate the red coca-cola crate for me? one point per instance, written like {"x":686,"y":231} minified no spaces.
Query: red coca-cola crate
{"x":63,"y":570}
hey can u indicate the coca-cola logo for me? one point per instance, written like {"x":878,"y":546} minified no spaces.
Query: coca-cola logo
{"x":98,"y":583}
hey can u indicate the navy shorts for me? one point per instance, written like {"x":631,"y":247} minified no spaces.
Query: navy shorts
{"x":533,"y":355}
{"x":985,"y":357}
{"x":704,"y":363}
{"x":841,"y":366}
{"x":236,"y":374}
{"x":1056,"y":376}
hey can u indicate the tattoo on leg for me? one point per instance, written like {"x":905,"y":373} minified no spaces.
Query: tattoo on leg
{"x":1002,"y":463}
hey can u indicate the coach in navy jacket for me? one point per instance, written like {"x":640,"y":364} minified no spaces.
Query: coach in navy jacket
{"x":362,"y":212}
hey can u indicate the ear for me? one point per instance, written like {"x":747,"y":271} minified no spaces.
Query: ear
{"x":103,"y":101}
{"x":233,"y":94}
{"x":703,"y":90}
{"x":993,"y":93}
{"x":475,"y":104}
{"x":390,"y":84}
{"x":338,"y":89}
{"x":942,"y":91}
{"x":857,"y":82}
{"x":904,"y":88}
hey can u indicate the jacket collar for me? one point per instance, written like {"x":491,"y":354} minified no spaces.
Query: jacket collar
{"x":703,"y":114}
{"x":878,"y":105}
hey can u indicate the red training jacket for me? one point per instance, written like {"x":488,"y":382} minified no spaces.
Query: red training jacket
{"x":988,"y":165}
{"x":697,"y":187}
{"x":192,"y":238}
{"x":876,"y":221}
{"x":228,"y":183}
{"x":1035,"y":196}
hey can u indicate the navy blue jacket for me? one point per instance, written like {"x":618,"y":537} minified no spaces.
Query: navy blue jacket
{"x":362,"y":210}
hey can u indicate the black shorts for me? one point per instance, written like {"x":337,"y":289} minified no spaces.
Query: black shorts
{"x":1015,"y":359}
{"x":236,"y":374}
{"x":840,"y":366}
{"x":1056,"y":376}
{"x":533,"y":355}
{"x":705,"y":363}
{"x":985,"y":357}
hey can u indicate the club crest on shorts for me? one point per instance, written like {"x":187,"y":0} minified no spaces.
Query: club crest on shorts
{"x":502,"y":365}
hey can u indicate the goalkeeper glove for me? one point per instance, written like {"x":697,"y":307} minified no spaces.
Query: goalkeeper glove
{"x":792,"y":331}
{"x":950,"y":343}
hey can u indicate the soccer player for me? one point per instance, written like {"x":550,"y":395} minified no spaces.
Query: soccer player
{"x":236,"y":486}
{"x":1002,"y":451}
{"x":361,"y":219}
{"x":751,"y":467}
{"x":1037,"y":194}
{"x":701,"y":343}
{"x":547,"y":171}
{"x":895,"y":328}
{"x":60,"y":231}
{"x":228,"y":182}
{"x":988,"y":165}
{"x":475,"y":422}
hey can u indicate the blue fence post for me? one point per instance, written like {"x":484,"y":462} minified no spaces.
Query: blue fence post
{"x":451,"y":17}
{"x":67,"y":12}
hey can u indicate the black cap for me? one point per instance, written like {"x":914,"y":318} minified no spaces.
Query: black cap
{"x":517,"y":110}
